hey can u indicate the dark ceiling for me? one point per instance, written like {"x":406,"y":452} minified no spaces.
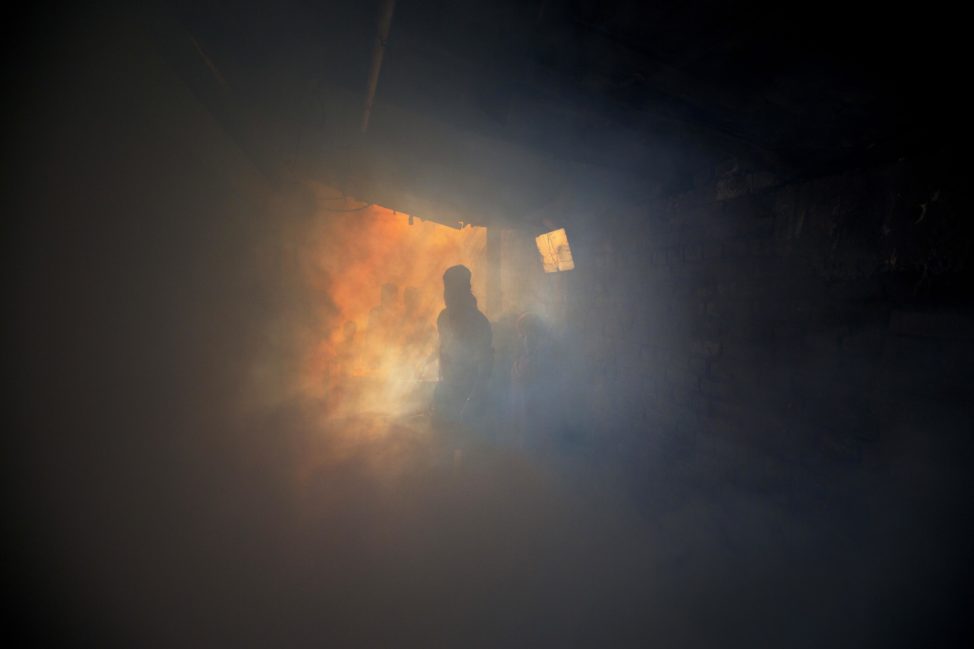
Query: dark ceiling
{"x":801,"y":84}
{"x":651,"y":94}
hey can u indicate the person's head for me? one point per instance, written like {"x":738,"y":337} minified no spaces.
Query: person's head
{"x":456,"y":287}
{"x":457,"y":277}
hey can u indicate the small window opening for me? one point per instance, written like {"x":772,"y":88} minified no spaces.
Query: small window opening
{"x":556,"y":254}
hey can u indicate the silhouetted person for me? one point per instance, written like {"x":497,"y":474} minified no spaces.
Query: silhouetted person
{"x":466,"y":355}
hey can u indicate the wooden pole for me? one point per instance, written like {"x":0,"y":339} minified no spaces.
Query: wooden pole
{"x":381,"y":36}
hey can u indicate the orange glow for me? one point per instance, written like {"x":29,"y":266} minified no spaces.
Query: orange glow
{"x":385,"y":361}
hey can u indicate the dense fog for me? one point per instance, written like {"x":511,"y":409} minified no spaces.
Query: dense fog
{"x":205,"y":453}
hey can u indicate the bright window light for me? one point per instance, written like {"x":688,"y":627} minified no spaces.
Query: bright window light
{"x":556,"y":254}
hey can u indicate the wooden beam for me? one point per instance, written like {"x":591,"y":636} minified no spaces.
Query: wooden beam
{"x":378,"y":50}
